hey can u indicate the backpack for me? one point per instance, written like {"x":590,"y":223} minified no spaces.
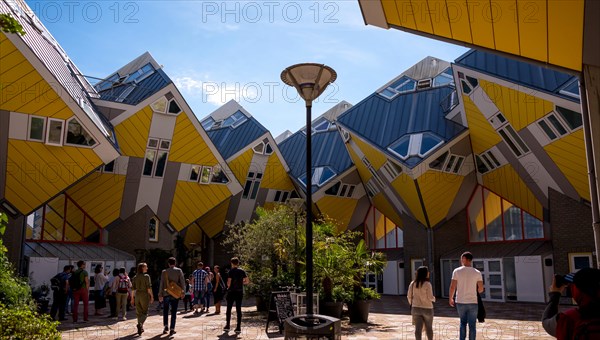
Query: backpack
{"x":56,"y":283}
{"x":583,"y":329}
{"x":75,"y":281}
{"x":123,"y":286}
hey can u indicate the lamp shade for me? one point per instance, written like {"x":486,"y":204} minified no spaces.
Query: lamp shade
{"x":309,"y":79}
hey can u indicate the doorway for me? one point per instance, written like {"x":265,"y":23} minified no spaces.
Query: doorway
{"x":493,"y":278}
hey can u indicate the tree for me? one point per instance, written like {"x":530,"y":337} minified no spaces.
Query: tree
{"x":8,"y":24}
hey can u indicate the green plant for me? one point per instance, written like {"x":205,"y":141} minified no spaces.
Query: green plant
{"x":18,"y":316}
{"x":366,"y":294}
{"x":8,"y":24}
{"x":341,"y":294}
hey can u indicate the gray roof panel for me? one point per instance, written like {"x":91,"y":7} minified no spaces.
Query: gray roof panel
{"x":516,"y":71}
{"x":231,"y":140}
{"x":142,"y":90}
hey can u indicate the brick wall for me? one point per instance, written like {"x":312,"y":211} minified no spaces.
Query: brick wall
{"x":415,"y":246}
{"x":571,"y":227}
{"x":449,"y":236}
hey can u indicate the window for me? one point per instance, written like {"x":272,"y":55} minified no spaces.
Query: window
{"x":108,"y":83}
{"x":252,"y":185}
{"x":207,"y":123}
{"x":259,"y":148}
{"x":320,"y":176}
{"x":234,"y":120}
{"x":571,"y":89}
{"x":573,"y":119}
{"x":579,"y":261}
{"x":419,"y":145}
{"x":487,"y":161}
{"x":454,"y":163}
{"x":281,"y":196}
{"x":444,"y":78}
{"x":125,"y":93}
{"x":391,"y":170}
{"x":468,"y":84}
{"x":402,"y":85}
{"x":153,"y":229}
{"x":401,"y":147}
{"x":515,"y":143}
{"x":340,"y":189}
{"x":218,"y":175}
{"x":450,"y":102}
{"x":263,"y":148}
{"x":322,"y":125}
{"x":372,"y":189}
{"x":195,"y":173}
{"x":54,"y":135}
{"x":173,"y":107}
{"x":205,"y":174}
{"x":77,"y":135}
{"x":493,"y":219}
{"x":160,"y":105}
{"x":345,"y":135}
{"x":109,"y":168}
{"x":140,"y":74}
{"x":157,"y":154}
{"x":37,"y":127}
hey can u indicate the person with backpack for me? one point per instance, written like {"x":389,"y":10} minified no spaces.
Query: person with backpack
{"x":581,"y":322}
{"x":60,"y":287}
{"x":235,"y":293}
{"x":80,"y":284}
{"x":121,"y":286}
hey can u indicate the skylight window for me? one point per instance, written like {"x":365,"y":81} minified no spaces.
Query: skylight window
{"x":404,"y":84}
{"x":320,"y":176}
{"x":573,"y":119}
{"x":234,"y":120}
{"x":125,"y":93}
{"x":108,"y":83}
{"x":444,"y":78}
{"x":140,"y":74}
{"x":208,"y":123}
{"x":571,"y":89}
{"x":419,"y":145}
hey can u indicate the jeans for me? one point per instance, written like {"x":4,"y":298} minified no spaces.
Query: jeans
{"x":422,"y":316}
{"x":236,"y":297}
{"x":467,"y":313}
{"x":173,"y":303}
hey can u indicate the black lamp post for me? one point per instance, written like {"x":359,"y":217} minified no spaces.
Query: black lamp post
{"x":310,"y":80}
{"x":297,"y":204}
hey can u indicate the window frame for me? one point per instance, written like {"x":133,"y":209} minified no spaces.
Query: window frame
{"x":83,"y":129}
{"x":155,"y":239}
{"x":44,"y":119}
{"x":62,"y":131}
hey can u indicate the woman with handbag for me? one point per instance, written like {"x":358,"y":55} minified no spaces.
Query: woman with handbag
{"x":420,"y":297}
{"x":171,"y":290}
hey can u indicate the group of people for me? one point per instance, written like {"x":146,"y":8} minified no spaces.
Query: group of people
{"x":581,"y":322}
{"x":122,"y":289}
{"x":202,"y":284}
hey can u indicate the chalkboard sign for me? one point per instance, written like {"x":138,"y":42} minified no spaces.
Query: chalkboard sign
{"x":280,"y":308}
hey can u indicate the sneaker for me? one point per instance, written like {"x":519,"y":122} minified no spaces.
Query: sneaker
{"x":139,"y":329}
{"x":226,"y":328}
{"x":124,"y":318}
{"x":172,"y":332}
{"x":166,"y":330}
{"x":237,"y":331}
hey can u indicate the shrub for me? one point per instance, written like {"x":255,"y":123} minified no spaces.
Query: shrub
{"x":18,"y":316}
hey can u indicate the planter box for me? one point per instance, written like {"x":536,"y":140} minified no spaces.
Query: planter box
{"x":331,"y":309}
{"x":359,"y":311}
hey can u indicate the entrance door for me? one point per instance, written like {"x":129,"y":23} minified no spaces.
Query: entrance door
{"x":493,"y":280}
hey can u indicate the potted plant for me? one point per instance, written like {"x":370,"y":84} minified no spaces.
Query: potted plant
{"x":363,"y":262}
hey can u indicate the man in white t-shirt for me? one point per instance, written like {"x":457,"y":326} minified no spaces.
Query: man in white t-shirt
{"x":466,"y":282}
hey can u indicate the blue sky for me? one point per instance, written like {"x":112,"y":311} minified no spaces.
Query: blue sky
{"x":221,"y":50}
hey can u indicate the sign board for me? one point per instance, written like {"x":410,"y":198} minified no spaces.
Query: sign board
{"x":280,"y":307}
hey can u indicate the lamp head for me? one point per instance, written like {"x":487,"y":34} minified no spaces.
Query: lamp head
{"x":309,"y":79}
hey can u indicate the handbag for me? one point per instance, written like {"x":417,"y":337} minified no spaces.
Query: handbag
{"x":173,"y":288}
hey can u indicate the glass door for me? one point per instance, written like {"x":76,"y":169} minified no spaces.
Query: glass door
{"x":493,"y":281}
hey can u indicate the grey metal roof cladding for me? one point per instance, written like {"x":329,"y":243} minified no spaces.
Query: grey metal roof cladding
{"x":48,"y":51}
{"x":328,"y":149}
{"x":382,"y":121}
{"x":74,"y":251}
{"x":516,"y":71}
{"x":229,"y":141}
{"x":143,"y":89}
